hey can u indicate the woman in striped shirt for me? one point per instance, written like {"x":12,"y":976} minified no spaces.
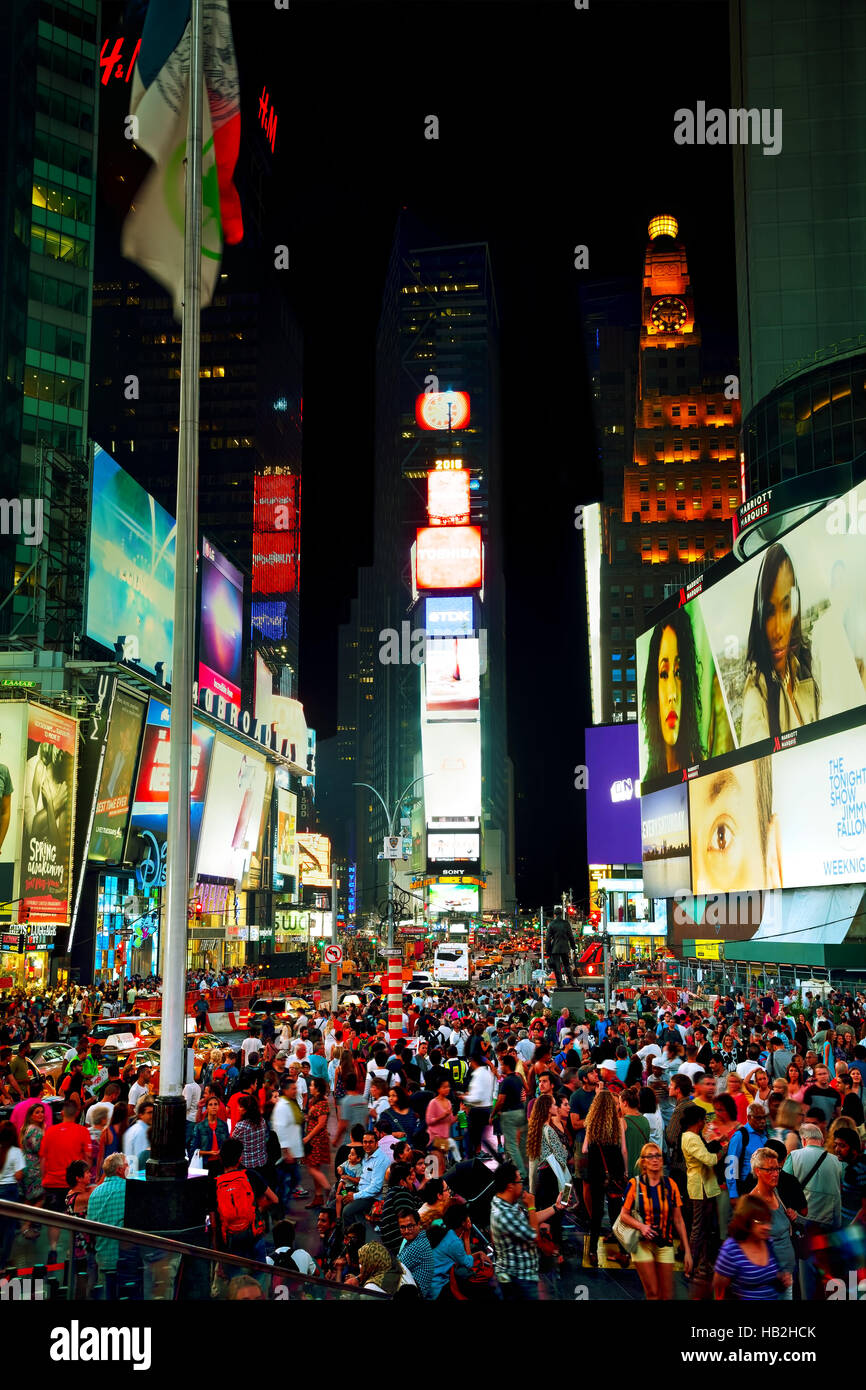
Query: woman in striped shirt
{"x":747,"y":1269}
{"x":653,"y":1206}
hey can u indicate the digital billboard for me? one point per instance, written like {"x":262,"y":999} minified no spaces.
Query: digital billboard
{"x":130,"y":589}
{"x":775,"y":647}
{"x":222,"y":623}
{"x":233,"y":810}
{"x":452,"y":897}
{"x":314,"y":859}
{"x":442,"y":410}
{"x":13,"y":738}
{"x":150,"y":803}
{"x":114,"y":793}
{"x":276,"y":532}
{"x":451,"y":677}
{"x":48,"y":787}
{"x":664,"y":818}
{"x":453,"y":847}
{"x":286,"y":848}
{"x":449,"y":617}
{"x":448,"y":498}
{"x":451,"y":753}
{"x":448,"y":557}
{"x":613,"y":832}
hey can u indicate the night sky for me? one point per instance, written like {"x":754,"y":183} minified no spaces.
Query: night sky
{"x":556,"y":128}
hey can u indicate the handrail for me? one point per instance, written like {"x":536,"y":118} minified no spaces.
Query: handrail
{"x":80,"y":1224}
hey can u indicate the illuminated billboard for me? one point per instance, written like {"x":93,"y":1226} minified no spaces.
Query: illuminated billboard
{"x":448,"y":498}
{"x":451,"y":754}
{"x":448,"y":557}
{"x":286,"y":848}
{"x":774,"y":647}
{"x":114,"y":793}
{"x":130,"y":589}
{"x":48,"y":789}
{"x":442,"y":410}
{"x":449,"y":617}
{"x":453,"y":847}
{"x":665,"y":841}
{"x":150,"y":803}
{"x":222,"y":619}
{"x":232,"y":819}
{"x":613,"y":833}
{"x":452,"y":897}
{"x":314,"y":860}
{"x":13,"y":738}
{"x":451,"y":677}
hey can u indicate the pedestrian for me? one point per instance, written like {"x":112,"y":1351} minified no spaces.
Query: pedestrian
{"x":653,"y":1207}
{"x":605,"y":1181}
{"x":514,"y":1224}
{"x":316,"y":1142}
{"x":747,"y":1269}
{"x":703,"y":1189}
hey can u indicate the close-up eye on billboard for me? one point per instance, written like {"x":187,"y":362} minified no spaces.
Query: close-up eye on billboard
{"x":114,"y":793}
{"x":130,"y":591}
{"x":150,"y":804}
{"x":613,"y":795}
{"x":233,"y":810}
{"x":775,"y":646}
{"x":222,"y":625}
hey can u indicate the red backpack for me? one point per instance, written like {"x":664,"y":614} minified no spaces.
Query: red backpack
{"x":236,"y":1203}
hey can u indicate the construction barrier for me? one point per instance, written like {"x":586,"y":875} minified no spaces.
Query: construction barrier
{"x":225,"y":1023}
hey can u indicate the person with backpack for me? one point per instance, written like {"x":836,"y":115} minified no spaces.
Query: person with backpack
{"x":239,"y":1196}
{"x":653,"y":1207}
{"x":742,"y":1144}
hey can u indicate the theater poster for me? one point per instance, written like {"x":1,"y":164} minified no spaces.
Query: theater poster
{"x":49,"y":803}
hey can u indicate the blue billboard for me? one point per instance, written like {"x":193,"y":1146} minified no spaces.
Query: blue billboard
{"x":613,"y":824}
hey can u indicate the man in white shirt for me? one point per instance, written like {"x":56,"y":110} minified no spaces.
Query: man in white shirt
{"x":251,"y":1044}
{"x":138,"y":1089}
{"x":525,"y":1048}
{"x":479,"y":1100}
{"x":651,"y":1050}
{"x":294,"y":1071}
{"x":137,"y":1138}
{"x":192,"y":1096}
{"x":286,"y":1124}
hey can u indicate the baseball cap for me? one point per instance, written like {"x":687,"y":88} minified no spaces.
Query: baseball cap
{"x":607,"y":1065}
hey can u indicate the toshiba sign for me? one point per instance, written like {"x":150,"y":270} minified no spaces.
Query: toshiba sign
{"x":448,"y":557}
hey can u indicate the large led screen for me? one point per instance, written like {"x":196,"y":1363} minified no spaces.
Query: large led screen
{"x":448,"y":498}
{"x":452,"y":897}
{"x":451,"y":847}
{"x":314,"y":856}
{"x":130,"y":590}
{"x":49,"y":799}
{"x":150,"y":804}
{"x":775,"y":646}
{"x":286,"y":847}
{"x":13,"y":738}
{"x":451,"y":677}
{"x":233,"y":811}
{"x":451,"y":755}
{"x":448,"y":557}
{"x":665,"y":835}
{"x":613,"y":833}
{"x":114,"y":794}
{"x":449,"y":617}
{"x":222,"y":625}
{"x":794,"y":819}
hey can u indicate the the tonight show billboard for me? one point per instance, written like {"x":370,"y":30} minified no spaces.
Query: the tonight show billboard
{"x":222,"y":625}
{"x":130,"y":589}
{"x":613,"y":801}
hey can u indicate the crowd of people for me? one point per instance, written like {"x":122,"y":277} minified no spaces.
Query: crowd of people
{"x":725,"y":1142}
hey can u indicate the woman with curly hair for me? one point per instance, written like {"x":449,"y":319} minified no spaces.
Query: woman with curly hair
{"x":671,"y":707}
{"x":604,"y":1147}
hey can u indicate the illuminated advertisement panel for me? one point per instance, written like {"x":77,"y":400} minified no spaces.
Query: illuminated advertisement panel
{"x":451,"y":754}
{"x":286,"y":849}
{"x":276,"y":533}
{"x":448,"y":498}
{"x":13,"y":739}
{"x":233,"y":810}
{"x":449,"y":617}
{"x":114,"y":794}
{"x":452,"y":897}
{"x":150,"y":803}
{"x":453,"y":847}
{"x":774,"y":647}
{"x":665,"y":839}
{"x":442,"y":410}
{"x":451,"y":677}
{"x":612,"y":789}
{"x":130,"y":589}
{"x":448,"y":557}
{"x":222,"y":618}
{"x":314,"y":860}
{"x":48,"y":789}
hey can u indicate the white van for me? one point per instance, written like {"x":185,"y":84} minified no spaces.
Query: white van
{"x":451,"y":964}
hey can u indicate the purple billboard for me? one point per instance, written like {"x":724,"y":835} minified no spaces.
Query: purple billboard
{"x":613,"y":834}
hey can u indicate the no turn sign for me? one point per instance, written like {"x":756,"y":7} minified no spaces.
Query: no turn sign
{"x":333,"y":955}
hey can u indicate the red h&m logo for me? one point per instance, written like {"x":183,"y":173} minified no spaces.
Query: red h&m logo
{"x":267,"y":118}
{"x":107,"y":61}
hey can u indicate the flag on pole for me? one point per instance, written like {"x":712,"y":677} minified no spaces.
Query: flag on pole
{"x":153,"y":232}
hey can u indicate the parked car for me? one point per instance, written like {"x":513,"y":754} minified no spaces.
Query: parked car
{"x":49,"y":1058}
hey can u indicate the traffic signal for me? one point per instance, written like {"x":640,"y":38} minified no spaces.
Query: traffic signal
{"x":595,"y":917}
{"x":572,"y":910}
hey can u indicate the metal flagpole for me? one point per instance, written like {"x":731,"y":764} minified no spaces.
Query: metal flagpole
{"x":169,"y":1120}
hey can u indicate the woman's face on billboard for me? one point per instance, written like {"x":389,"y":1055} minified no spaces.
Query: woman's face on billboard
{"x":670,"y":687}
{"x":779,"y":617}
